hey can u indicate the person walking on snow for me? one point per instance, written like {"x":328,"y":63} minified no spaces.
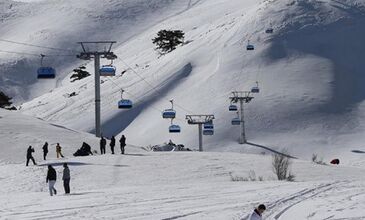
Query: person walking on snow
{"x":66,"y":178}
{"x":30,"y":151}
{"x":51,"y":180}
{"x":102,"y":145}
{"x":112,"y":144}
{"x":59,"y":151}
{"x":122,"y":144}
{"x":257,"y":213}
{"x":45,"y":150}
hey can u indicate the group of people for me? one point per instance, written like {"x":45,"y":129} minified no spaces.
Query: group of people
{"x":31,"y":150}
{"x":103,"y":144}
{"x":52,"y":178}
{"x":52,"y":174}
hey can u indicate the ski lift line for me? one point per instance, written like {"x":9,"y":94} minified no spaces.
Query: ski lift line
{"x":138,"y":101}
{"x":33,"y":54}
{"x":33,"y":45}
{"x":153,"y":87}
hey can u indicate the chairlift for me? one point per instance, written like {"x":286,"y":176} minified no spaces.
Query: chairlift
{"x":174,"y":129}
{"x":107,"y":70}
{"x":269,"y":31}
{"x":169,"y":113}
{"x":236,"y":121}
{"x":256,"y":88}
{"x":233,"y":108}
{"x":45,"y":72}
{"x":208,"y":129}
{"x":250,"y":46}
{"x":125,"y":103}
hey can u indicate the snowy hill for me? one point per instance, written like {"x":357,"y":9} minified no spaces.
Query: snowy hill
{"x":309,"y":71}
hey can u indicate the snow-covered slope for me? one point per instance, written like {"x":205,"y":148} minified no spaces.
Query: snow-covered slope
{"x":187,"y":185}
{"x":61,"y":24}
{"x":18,"y":131}
{"x":309,"y":71}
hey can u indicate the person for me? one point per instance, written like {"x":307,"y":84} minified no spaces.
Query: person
{"x":85,"y":150}
{"x":102,"y":145}
{"x":45,"y":150}
{"x":112,"y":144}
{"x":257,"y":213}
{"x":122,"y":144}
{"x":51,"y":180}
{"x":30,"y":151}
{"x":66,"y":178}
{"x":59,"y":151}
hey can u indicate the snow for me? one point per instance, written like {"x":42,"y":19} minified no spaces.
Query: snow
{"x":310,"y":73}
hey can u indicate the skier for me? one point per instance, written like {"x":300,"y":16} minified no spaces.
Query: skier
{"x":45,"y":150}
{"x":58,"y":150}
{"x":51,"y":180}
{"x":66,"y":178}
{"x":122,"y":143}
{"x":257,"y":213}
{"x":30,"y":156}
{"x":102,"y":145}
{"x":112,"y":144}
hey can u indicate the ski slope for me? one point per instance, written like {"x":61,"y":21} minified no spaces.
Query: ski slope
{"x":192,"y":185}
{"x":309,"y":71}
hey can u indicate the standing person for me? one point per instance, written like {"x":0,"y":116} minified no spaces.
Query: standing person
{"x":51,"y":180}
{"x":66,"y":178}
{"x":30,"y":151}
{"x":59,"y":150}
{"x":45,"y":150}
{"x":112,"y":144}
{"x":122,"y":144}
{"x":102,"y":145}
{"x":257,"y":213}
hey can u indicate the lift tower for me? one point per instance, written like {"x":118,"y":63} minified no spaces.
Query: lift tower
{"x":241,"y":97}
{"x":199,"y":120}
{"x":91,"y":50}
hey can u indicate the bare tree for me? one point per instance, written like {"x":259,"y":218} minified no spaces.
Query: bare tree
{"x":281,"y":166}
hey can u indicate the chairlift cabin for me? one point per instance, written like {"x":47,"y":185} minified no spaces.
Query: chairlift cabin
{"x":46,"y":73}
{"x":233,"y":108}
{"x":208,"y":132}
{"x":208,"y":129}
{"x":269,"y":31}
{"x":125,"y":104}
{"x":236,"y":121}
{"x":107,"y":70}
{"x":256,"y":88}
{"x":174,"y":129}
{"x":169,"y":113}
{"x":208,"y":125}
{"x":250,"y":47}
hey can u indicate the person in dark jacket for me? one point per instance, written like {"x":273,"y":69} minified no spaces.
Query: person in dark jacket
{"x":102,"y":145}
{"x":122,"y":144}
{"x":45,"y":150}
{"x":51,"y":180}
{"x":112,"y":144}
{"x":66,"y":178}
{"x":30,"y":151}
